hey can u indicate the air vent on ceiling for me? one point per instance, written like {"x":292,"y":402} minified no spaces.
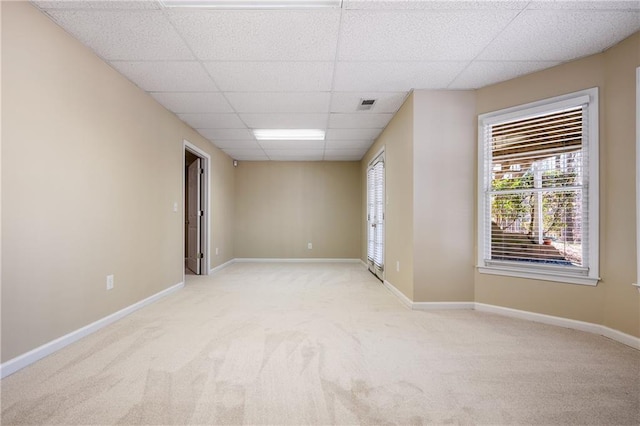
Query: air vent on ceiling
{"x":366,"y":104}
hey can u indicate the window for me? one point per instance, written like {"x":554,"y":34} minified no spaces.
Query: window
{"x":538,"y":190}
{"x":375,"y":216}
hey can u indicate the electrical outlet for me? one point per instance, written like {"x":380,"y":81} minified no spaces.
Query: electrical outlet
{"x":398,"y":266}
{"x":109,"y":282}
{"x":217,"y":251}
{"x":310,"y":246}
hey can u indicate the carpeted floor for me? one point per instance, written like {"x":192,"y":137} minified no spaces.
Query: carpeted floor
{"x":323,"y":344}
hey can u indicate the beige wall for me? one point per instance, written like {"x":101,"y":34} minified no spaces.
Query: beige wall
{"x":430,"y":163}
{"x":614,"y":302}
{"x":618,"y":250}
{"x":0,"y":180}
{"x":91,"y":167}
{"x":397,"y":141}
{"x":282,"y":206}
{"x":222,"y":208}
{"x":442,"y":267}
{"x":444,"y":165}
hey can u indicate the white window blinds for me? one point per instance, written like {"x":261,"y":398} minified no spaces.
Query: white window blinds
{"x":378,"y":253}
{"x":536,"y":188}
{"x":375,"y":213}
{"x":371,"y":190}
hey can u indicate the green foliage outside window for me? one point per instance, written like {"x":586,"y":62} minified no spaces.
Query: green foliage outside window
{"x":558,"y":206}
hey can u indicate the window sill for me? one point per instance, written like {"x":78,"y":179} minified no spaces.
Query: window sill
{"x":538,"y":275}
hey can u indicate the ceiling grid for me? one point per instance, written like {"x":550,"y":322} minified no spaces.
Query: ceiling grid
{"x":226,"y":72}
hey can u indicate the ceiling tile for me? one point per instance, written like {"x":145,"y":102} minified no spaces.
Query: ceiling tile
{"x":275,"y":68}
{"x":125,"y":35}
{"x":344,"y":152}
{"x":561,"y":35}
{"x":588,"y":4}
{"x":193,"y":102}
{"x":291,"y":145}
{"x":260,"y":35}
{"x":96,"y":5}
{"x":296,"y":155}
{"x":348,"y":144}
{"x":167,"y":76}
{"x":480,"y":74}
{"x":277,"y":102}
{"x":272,"y":76}
{"x":352,"y":134}
{"x":349,"y":101}
{"x":226,"y":134}
{"x":212,"y":121}
{"x":342,"y":157}
{"x":236,"y":144}
{"x":419,"y":35}
{"x":246,"y":154}
{"x":433,"y":4}
{"x":395,"y":76}
{"x":359,"y":121}
{"x":285,"y":121}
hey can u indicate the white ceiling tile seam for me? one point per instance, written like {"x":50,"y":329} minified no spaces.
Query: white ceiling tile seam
{"x":263,"y":67}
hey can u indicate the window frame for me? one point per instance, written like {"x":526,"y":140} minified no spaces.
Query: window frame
{"x":534,"y":271}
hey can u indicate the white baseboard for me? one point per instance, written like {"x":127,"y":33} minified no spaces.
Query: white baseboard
{"x":588,"y":327}
{"x":541,"y":318}
{"x":602,"y":330}
{"x":426,"y":306}
{"x":287,"y":260}
{"x":21,"y":361}
{"x":222,"y":266}
{"x":438,"y":306}
{"x":400,"y":295}
{"x":294,"y":260}
{"x":621,"y":337}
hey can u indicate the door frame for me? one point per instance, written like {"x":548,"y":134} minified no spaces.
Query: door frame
{"x":379,"y":156}
{"x":637,"y":283}
{"x":205,"y":202}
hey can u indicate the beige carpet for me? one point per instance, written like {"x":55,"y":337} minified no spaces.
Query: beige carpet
{"x":323,"y":344}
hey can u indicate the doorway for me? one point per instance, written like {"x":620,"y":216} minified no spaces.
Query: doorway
{"x":196,"y":210}
{"x":375,"y":216}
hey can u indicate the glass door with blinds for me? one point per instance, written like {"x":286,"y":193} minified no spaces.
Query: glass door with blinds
{"x":375,"y":216}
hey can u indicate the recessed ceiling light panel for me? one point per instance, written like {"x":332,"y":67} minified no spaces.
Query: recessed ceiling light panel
{"x":289,"y":134}
{"x":253,"y":4}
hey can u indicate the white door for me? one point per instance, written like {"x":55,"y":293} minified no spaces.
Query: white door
{"x":194,"y":217}
{"x":375,"y":216}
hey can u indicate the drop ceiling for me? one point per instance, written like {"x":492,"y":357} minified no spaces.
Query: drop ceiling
{"x":226,"y":72}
